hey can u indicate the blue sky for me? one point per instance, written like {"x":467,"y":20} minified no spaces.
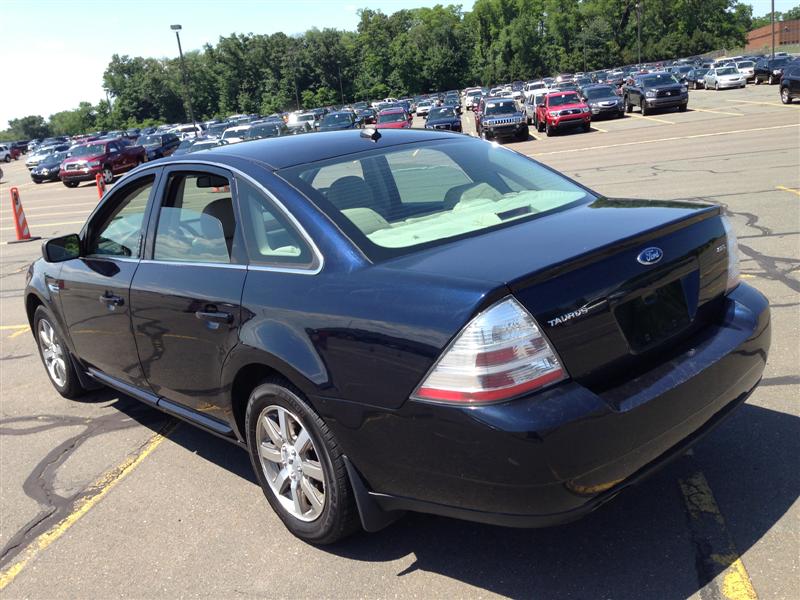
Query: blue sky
{"x":58,"y":54}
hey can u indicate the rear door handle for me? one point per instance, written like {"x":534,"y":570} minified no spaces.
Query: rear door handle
{"x":213,"y":316}
{"x":111,"y":300}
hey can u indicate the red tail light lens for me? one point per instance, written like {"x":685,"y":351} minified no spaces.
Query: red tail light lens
{"x":500,"y":354}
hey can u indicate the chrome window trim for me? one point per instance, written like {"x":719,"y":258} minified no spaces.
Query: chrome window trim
{"x":191,"y":263}
{"x":292,"y":219}
{"x":112,"y":257}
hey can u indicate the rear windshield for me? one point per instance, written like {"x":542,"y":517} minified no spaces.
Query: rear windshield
{"x":394,"y":200}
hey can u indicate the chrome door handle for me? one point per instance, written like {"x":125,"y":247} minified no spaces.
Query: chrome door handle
{"x":111,"y":300}
{"x":214,"y":316}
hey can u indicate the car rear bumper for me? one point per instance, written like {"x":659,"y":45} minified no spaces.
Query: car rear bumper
{"x":553,"y":456}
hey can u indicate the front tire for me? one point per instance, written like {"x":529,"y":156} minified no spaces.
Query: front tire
{"x":108,"y":175}
{"x":771,"y":80}
{"x":7,"y":158}
{"x":785,"y":97}
{"x":71,"y":184}
{"x":299,"y":465}
{"x":55,"y":355}
{"x":549,"y":129}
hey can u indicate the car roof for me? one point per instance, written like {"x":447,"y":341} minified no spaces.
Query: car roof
{"x":286,"y":151}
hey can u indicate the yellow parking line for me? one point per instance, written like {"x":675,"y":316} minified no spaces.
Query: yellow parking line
{"x":651,"y":119}
{"x":95,"y":493}
{"x":717,"y":552}
{"x":18,"y":333}
{"x":43,"y":225}
{"x":783,"y":188}
{"x":754,"y":102}
{"x":667,"y":139}
{"x":719,"y":112}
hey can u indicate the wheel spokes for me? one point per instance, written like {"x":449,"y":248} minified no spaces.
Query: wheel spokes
{"x":272,"y":431}
{"x":314,"y":497}
{"x":313,"y":469}
{"x":270,"y":453}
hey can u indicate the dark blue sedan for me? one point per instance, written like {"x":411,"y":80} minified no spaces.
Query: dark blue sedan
{"x":405,"y":320}
{"x":443,"y":117}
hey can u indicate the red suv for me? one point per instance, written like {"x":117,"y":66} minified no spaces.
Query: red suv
{"x":107,"y":157}
{"x":562,"y":111}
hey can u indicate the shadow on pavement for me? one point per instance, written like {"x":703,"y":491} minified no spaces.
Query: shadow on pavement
{"x":636,"y":546}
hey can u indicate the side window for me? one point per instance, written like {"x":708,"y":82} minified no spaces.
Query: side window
{"x":111,"y":148}
{"x":425,"y":175}
{"x":196,"y":220}
{"x":120,"y":233}
{"x":270,"y":238}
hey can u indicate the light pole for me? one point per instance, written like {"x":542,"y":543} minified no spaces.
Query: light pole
{"x":177,"y":29}
{"x":341,"y":88}
{"x":772,"y":15}
{"x":639,"y":30}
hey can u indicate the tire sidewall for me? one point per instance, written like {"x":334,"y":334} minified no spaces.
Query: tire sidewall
{"x":70,"y":386}
{"x":268,"y":394}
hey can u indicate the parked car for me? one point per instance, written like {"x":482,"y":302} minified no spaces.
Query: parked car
{"x":308,"y":121}
{"x":603,"y":100}
{"x":746,"y":68}
{"x":420,"y":321}
{"x":443,"y":117}
{"x":696,"y":78}
{"x":158,"y":145}
{"x":49,"y":168}
{"x":652,"y":91}
{"x":368,"y":116}
{"x":5,"y":153}
{"x":501,"y":118}
{"x":271,"y":128}
{"x":238,"y":133}
{"x":769,"y":70}
{"x":423,"y":107}
{"x":206,"y":144}
{"x":42,"y":151}
{"x":790,"y":83}
{"x":343,"y":119}
{"x":561,"y":111}
{"x":394,"y":118}
{"x":107,"y":158}
{"x":531,"y":103}
{"x":724,"y":78}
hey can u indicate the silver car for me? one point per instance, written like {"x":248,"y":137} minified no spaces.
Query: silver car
{"x":747,"y":68}
{"x":724,"y":77}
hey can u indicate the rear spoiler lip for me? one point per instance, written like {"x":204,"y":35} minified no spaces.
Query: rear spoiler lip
{"x":604,"y":251}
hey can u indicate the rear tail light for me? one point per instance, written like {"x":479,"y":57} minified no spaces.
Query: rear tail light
{"x":500,"y":354}
{"x":733,"y":254}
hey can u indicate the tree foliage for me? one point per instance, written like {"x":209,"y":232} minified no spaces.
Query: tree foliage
{"x":406,"y":52}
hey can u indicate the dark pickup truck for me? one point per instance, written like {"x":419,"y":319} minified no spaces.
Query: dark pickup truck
{"x":651,"y":91}
{"x":107,"y":157}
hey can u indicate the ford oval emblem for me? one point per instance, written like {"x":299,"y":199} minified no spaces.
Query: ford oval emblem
{"x":650,"y":256}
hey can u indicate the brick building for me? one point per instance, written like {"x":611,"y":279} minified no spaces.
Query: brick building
{"x":786,"y":32}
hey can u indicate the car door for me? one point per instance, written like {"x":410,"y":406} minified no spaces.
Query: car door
{"x":94,"y":290}
{"x":116,"y":157}
{"x":185,"y":296}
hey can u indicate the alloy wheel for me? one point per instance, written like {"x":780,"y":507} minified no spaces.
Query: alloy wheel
{"x":52,"y":353}
{"x":108,"y":175}
{"x":290,"y":463}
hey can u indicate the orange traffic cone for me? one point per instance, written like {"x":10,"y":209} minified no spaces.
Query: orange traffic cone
{"x":101,"y":185}
{"x":20,"y":222}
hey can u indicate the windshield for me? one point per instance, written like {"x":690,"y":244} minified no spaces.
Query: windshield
{"x":56,"y":157}
{"x":727,"y":71}
{"x":391,"y":117}
{"x":599,"y":92}
{"x":561,"y":100}
{"x":500,"y":108}
{"x":442,"y":113}
{"x":745,"y":64}
{"x":683,"y":69}
{"x":150,"y":140}
{"x":90,"y":150}
{"x":262,"y":131}
{"x":659,"y":79}
{"x":444,"y":190}
{"x":217,"y":129}
{"x":337,"y":119}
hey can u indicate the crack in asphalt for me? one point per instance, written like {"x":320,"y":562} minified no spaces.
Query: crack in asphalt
{"x":40,"y":483}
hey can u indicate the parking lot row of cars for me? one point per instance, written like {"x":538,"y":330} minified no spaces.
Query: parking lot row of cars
{"x":506,"y":111}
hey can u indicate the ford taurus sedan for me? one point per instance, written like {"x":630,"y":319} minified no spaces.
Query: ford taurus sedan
{"x":405,"y":320}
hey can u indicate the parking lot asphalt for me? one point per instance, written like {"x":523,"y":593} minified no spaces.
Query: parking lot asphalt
{"x":105,"y":497}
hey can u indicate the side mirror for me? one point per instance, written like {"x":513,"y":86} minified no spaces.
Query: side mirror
{"x":62,"y":248}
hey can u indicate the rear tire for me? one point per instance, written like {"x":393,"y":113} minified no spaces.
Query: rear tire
{"x":320,"y":507}
{"x":644,"y":109}
{"x":55,"y":355}
{"x":108,"y":175}
{"x":71,"y":184}
{"x":682,"y":108}
{"x":756,"y":81}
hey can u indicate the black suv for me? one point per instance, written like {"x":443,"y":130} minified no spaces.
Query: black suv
{"x":790,"y":83}
{"x":651,"y":91}
{"x":769,"y":70}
